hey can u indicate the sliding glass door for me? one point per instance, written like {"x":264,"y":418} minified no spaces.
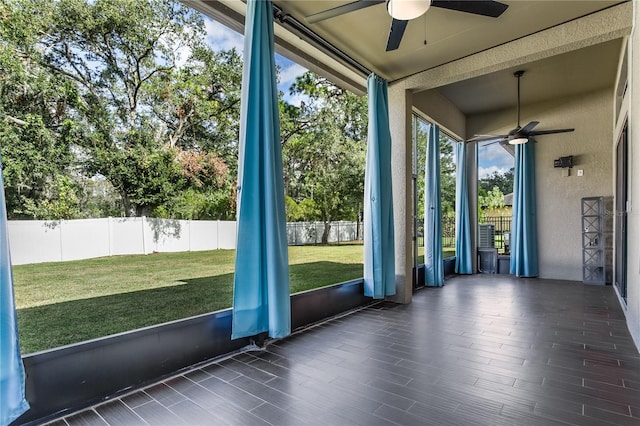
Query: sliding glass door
{"x":621,"y":214}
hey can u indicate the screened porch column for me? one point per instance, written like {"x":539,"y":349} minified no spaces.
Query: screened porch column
{"x":400,"y":107}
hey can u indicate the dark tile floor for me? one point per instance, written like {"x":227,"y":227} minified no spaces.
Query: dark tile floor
{"x":483,"y":350}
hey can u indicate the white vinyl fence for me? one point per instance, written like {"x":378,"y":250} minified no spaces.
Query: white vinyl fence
{"x":37,"y":241}
{"x":303,"y":233}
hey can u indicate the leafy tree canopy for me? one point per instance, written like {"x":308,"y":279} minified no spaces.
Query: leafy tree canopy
{"x":120,"y":107}
{"x":324,"y":156}
{"x":447,"y":171}
{"x":502,"y":180}
{"x":122,"y":89}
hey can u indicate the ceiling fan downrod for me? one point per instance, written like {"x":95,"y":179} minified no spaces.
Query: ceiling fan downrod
{"x":517,"y":75}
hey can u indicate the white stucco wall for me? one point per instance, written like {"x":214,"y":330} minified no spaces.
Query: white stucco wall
{"x":400,"y":107}
{"x":441,"y":110}
{"x":559,"y":196}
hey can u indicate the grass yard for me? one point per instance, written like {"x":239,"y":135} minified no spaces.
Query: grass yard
{"x":68,"y":302}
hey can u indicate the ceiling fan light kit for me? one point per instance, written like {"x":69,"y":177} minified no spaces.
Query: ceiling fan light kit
{"x":518,"y":141}
{"x":405,"y":10}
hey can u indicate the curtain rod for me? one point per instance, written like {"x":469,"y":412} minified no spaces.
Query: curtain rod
{"x":304,"y":32}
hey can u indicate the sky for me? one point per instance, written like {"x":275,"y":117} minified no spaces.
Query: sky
{"x":491,"y":158}
{"x":219,"y":37}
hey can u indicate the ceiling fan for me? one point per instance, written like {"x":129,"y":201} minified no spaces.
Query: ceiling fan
{"x":518,"y":135}
{"x":404,"y":10}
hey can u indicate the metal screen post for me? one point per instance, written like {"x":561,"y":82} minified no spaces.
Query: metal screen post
{"x":414,"y":178}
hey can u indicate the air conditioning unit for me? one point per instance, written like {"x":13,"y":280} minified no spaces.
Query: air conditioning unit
{"x":486,"y":235}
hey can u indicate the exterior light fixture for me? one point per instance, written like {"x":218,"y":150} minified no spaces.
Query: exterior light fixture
{"x":405,"y":10}
{"x":518,"y":141}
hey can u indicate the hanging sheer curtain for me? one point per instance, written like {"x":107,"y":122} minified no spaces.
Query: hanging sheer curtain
{"x":524,"y":240}
{"x":12,"y":397}
{"x":434,"y":268}
{"x":261,"y":300}
{"x":464,"y":253}
{"x":379,"y":254}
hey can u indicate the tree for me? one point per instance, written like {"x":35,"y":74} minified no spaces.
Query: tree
{"x":494,"y":199}
{"x":156,"y":110}
{"x":35,"y":122}
{"x":126,"y":96}
{"x":447,"y":171}
{"x":491,"y":203}
{"x":305,"y":210}
{"x":324,"y":148}
{"x":198,"y":104}
{"x":502,"y":180}
{"x":447,"y":176}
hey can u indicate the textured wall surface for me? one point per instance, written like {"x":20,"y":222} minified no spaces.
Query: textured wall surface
{"x":559,"y":196}
{"x":400,"y":102}
{"x":441,"y":110}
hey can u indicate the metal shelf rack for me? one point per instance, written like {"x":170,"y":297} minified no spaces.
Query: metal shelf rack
{"x":597,"y":240}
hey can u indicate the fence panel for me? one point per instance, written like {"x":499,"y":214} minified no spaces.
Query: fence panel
{"x":347,"y":231}
{"x":501,"y":225}
{"x":84,"y":239}
{"x":168,"y":235}
{"x":448,"y":232}
{"x":300,"y":233}
{"x":126,"y":234}
{"x":34,"y":241}
{"x":227,"y":234}
{"x":51,"y":241}
{"x":203,"y":235}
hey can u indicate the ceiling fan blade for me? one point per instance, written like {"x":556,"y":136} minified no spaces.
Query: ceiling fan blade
{"x":511,"y":149}
{"x":483,"y":138}
{"x":486,"y":136}
{"x":341,"y":10}
{"x":395,"y":34}
{"x":492,"y":9}
{"x":528,"y":128}
{"x":550,"y":132}
{"x":492,"y":142}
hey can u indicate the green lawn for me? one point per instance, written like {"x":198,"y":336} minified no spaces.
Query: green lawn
{"x":68,"y":302}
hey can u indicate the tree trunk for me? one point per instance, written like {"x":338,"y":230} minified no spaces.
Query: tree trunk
{"x":143,"y":211}
{"x":129,"y":209}
{"x":325,"y":233}
{"x":359,"y":218}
